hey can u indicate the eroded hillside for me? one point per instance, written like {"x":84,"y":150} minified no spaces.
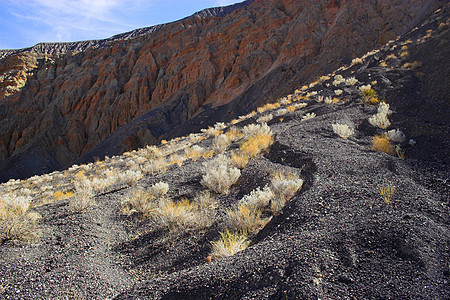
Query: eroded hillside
{"x":57,"y":107}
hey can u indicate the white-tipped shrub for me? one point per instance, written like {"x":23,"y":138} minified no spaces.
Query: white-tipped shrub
{"x":328,"y":100}
{"x":16,"y":221}
{"x":343,"y":130}
{"x":308,"y":116}
{"x":84,"y":196}
{"x":284,"y":185}
{"x":379,"y":120}
{"x":338,"y":79}
{"x":221,"y":143}
{"x":338,"y":92}
{"x":351,"y":81}
{"x":365,"y":87}
{"x":383,"y":108}
{"x":219,"y":174}
{"x":256,"y":129}
{"x":265,"y":118}
{"x":159,"y":189}
{"x":357,"y":60}
{"x":396,"y":135}
{"x":258,"y":199}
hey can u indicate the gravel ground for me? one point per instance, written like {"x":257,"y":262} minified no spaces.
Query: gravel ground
{"x":336,"y":239}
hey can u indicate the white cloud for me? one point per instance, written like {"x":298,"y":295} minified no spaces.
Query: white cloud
{"x":69,"y":20}
{"x":227,"y":2}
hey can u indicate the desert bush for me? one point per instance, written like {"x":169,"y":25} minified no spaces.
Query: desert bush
{"x":281,"y":112}
{"x":221,"y":143}
{"x":351,"y":81}
{"x":357,"y":60}
{"x":130,"y":177}
{"x":383,"y":108}
{"x":139,"y":201}
{"x":396,"y":135}
{"x":175,"y":159}
{"x":155,"y":165}
{"x":159,"y":189}
{"x":234,"y":134}
{"x":379,"y":120}
{"x":16,"y":221}
{"x":268,"y":106}
{"x":84,"y":196}
{"x":219,"y":175}
{"x":338,"y":92}
{"x":174,"y":215}
{"x":338,"y":79}
{"x":184,"y":215}
{"x":256,"y":129}
{"x":343,"y":130}
{"x":328,"y":100}
{"x":284,"y":186}
{"x":265,"y":118}
{"x":193,"y":152}
{"x":243,"y":218}
{"x":319,"y":98}
{"x":285,"y":101}
{"x":256,"y":144}
{"x":239,"y":159}
{"x":258,"y":199}
{"x":308,"y":116}
{"x":205,"y":212}
{"x":382,"y":144}
{"x":229,"y":244}
{"x":257,"y":138}
{"x":144,"y":202}
{"x":365,"y":87}
{"x":370,"y":96}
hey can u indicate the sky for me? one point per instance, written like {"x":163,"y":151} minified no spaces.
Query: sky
{"x":24,"y":23}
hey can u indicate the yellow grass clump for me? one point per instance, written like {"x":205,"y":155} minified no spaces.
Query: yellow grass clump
{"x":229,"y":244}
{"x":267,"y":107}
{"x":256,"y":144}
{"x":383,"y":144}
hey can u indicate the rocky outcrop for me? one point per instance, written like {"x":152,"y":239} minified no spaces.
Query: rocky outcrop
{"x":248,"y":54}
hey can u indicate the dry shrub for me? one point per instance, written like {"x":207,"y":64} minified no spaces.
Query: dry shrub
{"x":383,"y":144}
{"x":239,"y":159}
{"x":343,"y":130}
{"x":16,"y":221}
{"x":184,"y":215}
{"x":84,"y":196}
{"x":175,"y":159}
{"x":233,"y":134}
{"x":138,"y":201}
{"x":221,"y":143}
{"x":219,"y":174}
{"x":257,"y":139}
{"x":229,"y":244}
{"x":193,"y":152}
{"x":246,"y":219}
{"x":268,"y":106}
{"x":284,"y":185}
{"x":144,"y":202}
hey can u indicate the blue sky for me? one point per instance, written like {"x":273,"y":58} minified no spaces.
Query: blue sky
{"x":24,"y":23}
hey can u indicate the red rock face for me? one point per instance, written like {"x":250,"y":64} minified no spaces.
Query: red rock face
{"x":77,"y":100}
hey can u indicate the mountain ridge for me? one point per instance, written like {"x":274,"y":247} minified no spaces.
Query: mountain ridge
{"x":58,"y":48}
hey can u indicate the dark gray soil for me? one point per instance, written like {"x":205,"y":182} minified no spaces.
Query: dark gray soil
{"x":336,"y":239}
